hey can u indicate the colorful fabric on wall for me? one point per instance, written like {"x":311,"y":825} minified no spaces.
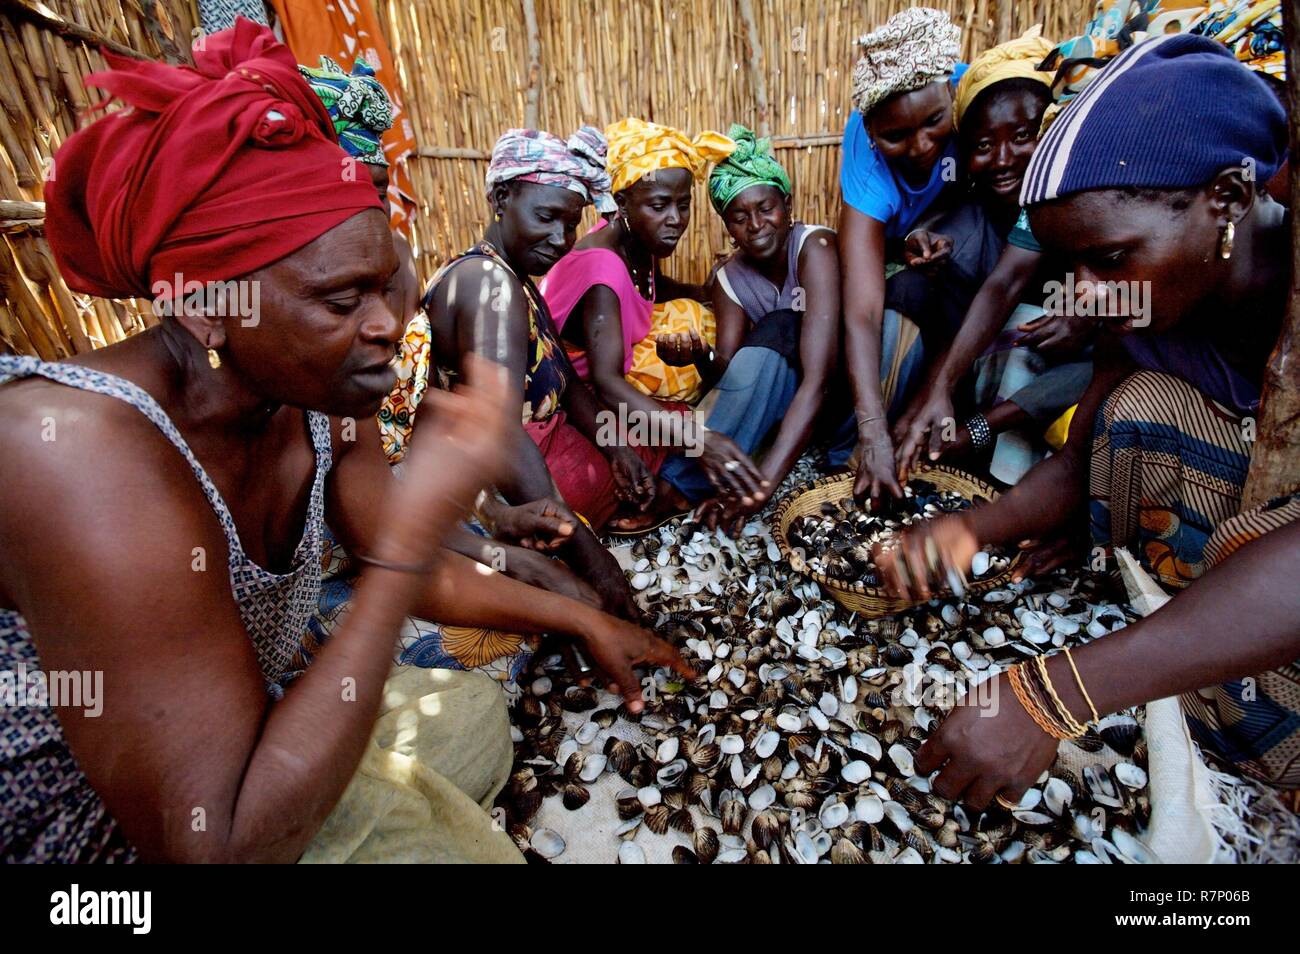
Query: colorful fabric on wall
{"x":344,"y":30}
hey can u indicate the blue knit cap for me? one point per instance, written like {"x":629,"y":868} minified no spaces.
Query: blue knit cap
{"x":1168,"y":113}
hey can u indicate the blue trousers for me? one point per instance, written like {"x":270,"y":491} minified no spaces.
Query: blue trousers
{"x":759,"y":386}
{"x":753,"y":395}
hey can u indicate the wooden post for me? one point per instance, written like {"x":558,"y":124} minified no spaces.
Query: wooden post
{"x":1006,"y":9}
{"x":756,"y":68}
{"x":534,"y":90}
{"x":51,"y":21}
{"x":1275,"y":459}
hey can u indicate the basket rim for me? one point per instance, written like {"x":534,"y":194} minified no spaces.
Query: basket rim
{"x":861,"y":589}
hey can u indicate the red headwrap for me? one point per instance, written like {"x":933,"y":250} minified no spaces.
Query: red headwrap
{"x":214,"y":171}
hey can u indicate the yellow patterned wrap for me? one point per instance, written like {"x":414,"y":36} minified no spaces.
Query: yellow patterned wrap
{"x":664,"y":382}
{"x":637,"y":147}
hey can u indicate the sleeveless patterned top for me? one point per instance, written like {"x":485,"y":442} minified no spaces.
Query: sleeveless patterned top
{"x":49,"y":812}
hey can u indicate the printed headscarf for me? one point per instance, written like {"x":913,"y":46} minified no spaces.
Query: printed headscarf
{"x":750,"y":164}
{"x":218,"y":169}
{"x":535,"y":156}
{"x":1252,"y":31}
{"x":914,"y":48}
{"x":358,"y":105}
{"x":637,"y":147}
{"x":1016,"y":59}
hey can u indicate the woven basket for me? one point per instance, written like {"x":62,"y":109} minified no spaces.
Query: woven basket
{"x":872,"y":601}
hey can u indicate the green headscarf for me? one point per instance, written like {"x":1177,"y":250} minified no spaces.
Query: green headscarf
{"x":357,"y":103}
{"x":751,"y":164}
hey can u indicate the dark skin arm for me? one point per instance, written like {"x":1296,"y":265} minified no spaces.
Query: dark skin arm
{"x":602,"y":323}
{"x":670,"y":289}
{"x":500,"y":332}
{"x":862,"y":270}
{"x":1179,"y":648}
{"x":633,"y":481}
{"x":1036,"y":508}
{"x":161,"y":625}
{"x":685,"y":348}
{"x":525,"y":565}
{"x":461,"y":592}
{"x":732,"y":327}
{"x":818,"y":334}
{"x":921,"y":428}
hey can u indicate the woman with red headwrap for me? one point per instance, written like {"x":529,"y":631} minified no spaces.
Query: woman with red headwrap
{"x":232,"y":439}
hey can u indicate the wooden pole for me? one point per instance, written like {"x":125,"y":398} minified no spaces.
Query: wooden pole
{"x":1275,"y":459}
{"x":56,"y":24}
{"x":756,"y":68}
{"x":534,"y":90}
{"x":1006,"y":8}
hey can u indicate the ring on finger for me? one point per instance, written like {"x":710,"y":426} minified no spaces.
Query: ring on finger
{"x":732,"y":465}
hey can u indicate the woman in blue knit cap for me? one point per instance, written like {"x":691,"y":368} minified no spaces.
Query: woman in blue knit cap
{"x":1150,"y":186}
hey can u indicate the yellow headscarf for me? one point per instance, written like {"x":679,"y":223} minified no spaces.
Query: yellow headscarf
{"x":637,"y":147}
{"x":1011,"y":60}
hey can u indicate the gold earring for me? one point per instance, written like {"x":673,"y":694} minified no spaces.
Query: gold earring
{"x":214,"y":359}
{"x":1225,"y":241}
{"x":498,"y":218}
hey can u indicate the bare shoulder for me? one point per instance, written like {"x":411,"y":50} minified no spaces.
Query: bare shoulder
{"x":84,"y":476}
{"x":473,"y":283}
{"x":819,"y":245}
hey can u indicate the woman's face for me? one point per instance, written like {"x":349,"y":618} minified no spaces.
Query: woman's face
{"x":1148,"y":263}
{"x":758,"y":221}
{"x":539,"y":223}
{"x":911,"y":130}
{"x":323,"y":335}
{"x":998,"y":141}
{"x":658,"y":209}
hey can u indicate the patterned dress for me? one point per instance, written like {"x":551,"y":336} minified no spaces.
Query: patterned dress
{"x":1168,"y":466}
{"x":49,"y":812}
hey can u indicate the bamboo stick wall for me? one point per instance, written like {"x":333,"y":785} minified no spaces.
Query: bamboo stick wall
{"x":470,"y":69}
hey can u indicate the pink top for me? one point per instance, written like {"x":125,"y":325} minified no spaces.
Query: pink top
{"x":572,"y":276}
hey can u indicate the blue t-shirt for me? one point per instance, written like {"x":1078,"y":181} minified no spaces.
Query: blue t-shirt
{"x":871,"y":185}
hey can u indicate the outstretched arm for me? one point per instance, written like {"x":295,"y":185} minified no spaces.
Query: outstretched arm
{"x":862,"y":271}
{"x":1182,"y":647}
{"x":819,"y":273}
{"x":920,"y":430}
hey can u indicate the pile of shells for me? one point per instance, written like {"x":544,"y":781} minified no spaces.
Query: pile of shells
{"x":797,"y":741}
{"x":838,"y":542}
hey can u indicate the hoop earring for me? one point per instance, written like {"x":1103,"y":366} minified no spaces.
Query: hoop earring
{"x":214,"y":359}
{"x":1226,"y":238}
{"x":734,"y":243}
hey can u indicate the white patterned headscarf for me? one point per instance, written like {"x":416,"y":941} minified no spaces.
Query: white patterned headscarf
{"x":916,"y":47}
{"x":577,"y":164}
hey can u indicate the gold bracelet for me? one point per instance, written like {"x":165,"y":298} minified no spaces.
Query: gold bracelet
{"x":1015,"y":676}
{"x":1072,"y":725}
{"x":1079,"y":679}
{"x":1060,"y":728}
{"x":479,"y":515}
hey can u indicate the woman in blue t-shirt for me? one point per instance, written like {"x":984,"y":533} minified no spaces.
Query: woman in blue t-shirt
{"x":899,"y":154}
